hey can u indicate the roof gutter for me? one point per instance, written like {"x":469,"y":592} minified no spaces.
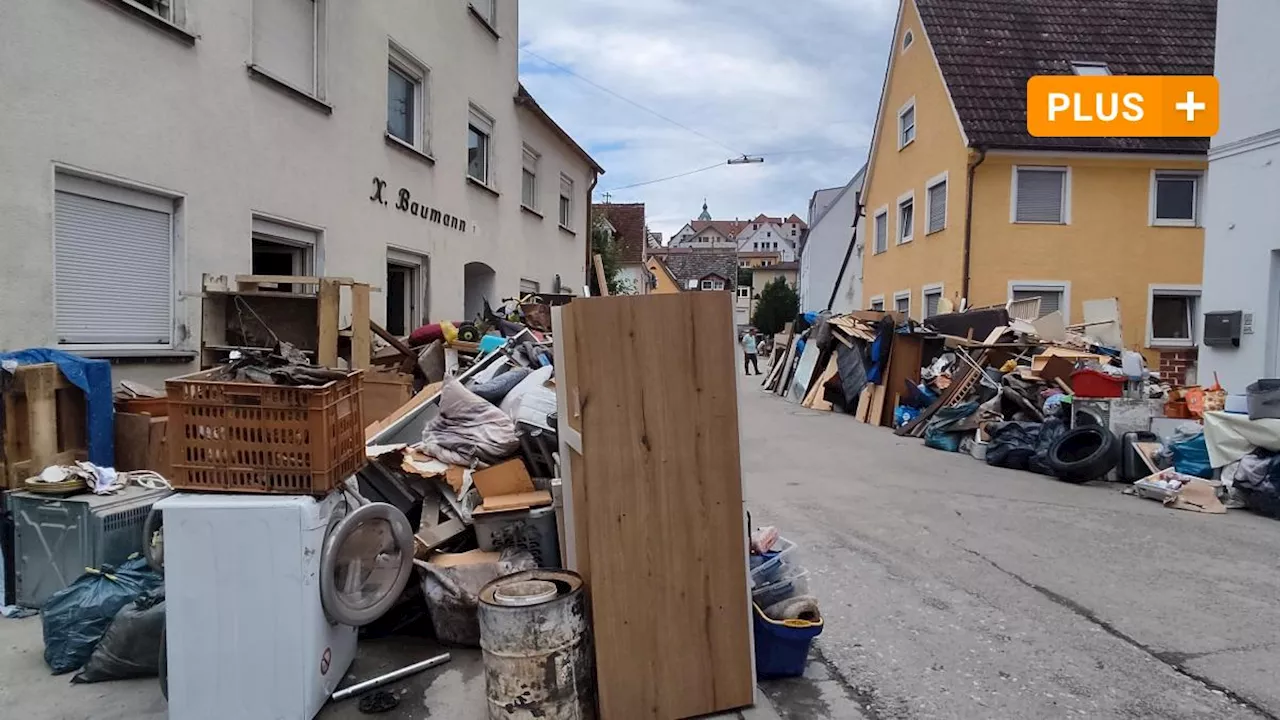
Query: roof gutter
{"x":968,"y":222}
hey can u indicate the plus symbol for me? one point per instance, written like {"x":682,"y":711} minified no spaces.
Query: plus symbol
{"x":1190,"y":106}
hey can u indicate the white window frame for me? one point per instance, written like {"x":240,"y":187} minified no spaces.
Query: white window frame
{"x":925,"y":292}
{"x":408,"y":65}
{"x":906,"y":234}
{"x":1066,"y":194}
{"x":744,"y":292}
{"x":319,"y":60}
{"x":933,"y":182}
{"x":285,"y":231}
{"x":565,"y":217}
{"x":1089,"y":68}
{"x":530,"y":165}
{"x":1197,"y":176}
{"x":706,"y":285}
{"x":1191,"y":291}
{"x":1060,"y":286}
{"x":419,"y":265}
{"x":874,"y":301}
{"x":908,"y":39}
{"x":113,"y":188}
{"x":883,"y":211}
{"x":903,"y":140}
{"x":902,"y":295}
{"x":483,"y":122}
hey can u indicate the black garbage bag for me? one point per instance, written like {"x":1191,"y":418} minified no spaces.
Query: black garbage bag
{"x":131,"y":646}
{"x":1013,"y":444}
{"x":75,"y":618}
{"x":1050,"y":430}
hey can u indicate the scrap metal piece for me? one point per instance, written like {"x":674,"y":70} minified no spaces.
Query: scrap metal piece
{"x":390,"y":677}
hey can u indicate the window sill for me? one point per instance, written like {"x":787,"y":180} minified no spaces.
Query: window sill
{"x":133,"y":354}
{"x":566,"y":229}
{"x":935,"y":232}
{"x":906,"y":241}
{"x":1175,"y":223}
{"x":257,"y":73}
{"x":484,"y":21}
{"x":483,"y":186}
{"x":177,"y":32}
{"x":879,"y":252}
{"x":399,"y":144}
{"x":1170,"y":344}
{"x":1038,"y":222}
{"x":532,"y":212}
{"x":906,"y":145}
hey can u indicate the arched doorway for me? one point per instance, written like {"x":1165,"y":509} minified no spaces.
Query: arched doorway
{"x":478,"y":285}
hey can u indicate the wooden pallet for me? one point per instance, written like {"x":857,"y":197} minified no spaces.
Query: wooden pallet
{"x":44,"y":423}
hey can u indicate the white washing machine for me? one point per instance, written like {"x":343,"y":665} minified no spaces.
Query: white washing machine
{"x":263,"y":596}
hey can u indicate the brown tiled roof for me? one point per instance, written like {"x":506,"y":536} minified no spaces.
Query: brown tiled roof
{"x":627,"y":220}
{"x":695,"y":264}
{"x":988,"y":49}
{"x":728,"y":228}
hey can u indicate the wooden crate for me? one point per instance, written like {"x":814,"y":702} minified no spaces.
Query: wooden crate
{"x":44,"y":423}
{"x":257,"y":438}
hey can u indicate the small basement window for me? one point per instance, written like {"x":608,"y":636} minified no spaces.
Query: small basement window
{"x":1172,"y":321}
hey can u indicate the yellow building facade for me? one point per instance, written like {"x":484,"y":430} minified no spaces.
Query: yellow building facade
{"x":1117,"y":220}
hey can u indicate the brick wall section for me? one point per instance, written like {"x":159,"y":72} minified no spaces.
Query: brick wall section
{"x":1175,"y":363}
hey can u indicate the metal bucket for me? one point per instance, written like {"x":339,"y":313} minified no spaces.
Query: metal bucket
{"x":538,"y":659}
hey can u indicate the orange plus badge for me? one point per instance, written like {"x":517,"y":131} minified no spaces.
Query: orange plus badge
{"x":1122,"y":106}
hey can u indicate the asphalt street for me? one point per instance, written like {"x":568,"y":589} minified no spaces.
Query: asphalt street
{"x":952,"y":589}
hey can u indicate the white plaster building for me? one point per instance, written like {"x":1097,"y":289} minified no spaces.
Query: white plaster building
{"x":1242,"y":243}
{"x":760,"y":234}
{"x":832,"y":213}
{"x":146,"y":142}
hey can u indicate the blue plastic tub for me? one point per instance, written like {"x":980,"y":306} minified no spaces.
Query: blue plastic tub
{"x":782,"y":646}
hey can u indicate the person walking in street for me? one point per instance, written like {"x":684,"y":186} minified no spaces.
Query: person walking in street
{"x":750,"y":360}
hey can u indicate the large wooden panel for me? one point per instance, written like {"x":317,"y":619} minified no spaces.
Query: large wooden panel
{"x":657,"y":501}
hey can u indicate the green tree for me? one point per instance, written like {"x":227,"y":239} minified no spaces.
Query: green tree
{"x":778,"y":305}
{"x":604,"y":244}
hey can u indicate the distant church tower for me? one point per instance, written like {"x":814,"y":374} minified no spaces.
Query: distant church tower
{"x":705,"y":215}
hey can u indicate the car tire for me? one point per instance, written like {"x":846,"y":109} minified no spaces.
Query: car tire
{"x":1084,"y":454}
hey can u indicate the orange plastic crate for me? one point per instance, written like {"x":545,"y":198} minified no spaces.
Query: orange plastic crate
{"x":256,"y":438}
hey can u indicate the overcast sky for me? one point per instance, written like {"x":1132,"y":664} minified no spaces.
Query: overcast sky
{"x":755,"y":76}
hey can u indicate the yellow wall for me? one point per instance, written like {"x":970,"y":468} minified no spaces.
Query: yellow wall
{"x":763,"y":276}
{"x":760,"y":262}
{"x":665,"y":283}
{"x":1109,"y":249}
{"x":938,"y":147}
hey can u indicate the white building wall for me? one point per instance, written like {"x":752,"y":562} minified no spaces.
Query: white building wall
{"x":823,"y":255}
{"x":90,"y":86}
{"x":1242,"y":217}
{"x":767,"y":234}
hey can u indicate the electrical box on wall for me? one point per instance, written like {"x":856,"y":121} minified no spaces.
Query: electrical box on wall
{"x":1222,"y":328}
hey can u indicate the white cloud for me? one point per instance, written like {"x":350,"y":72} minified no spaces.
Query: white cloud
{"x":757,"y":76}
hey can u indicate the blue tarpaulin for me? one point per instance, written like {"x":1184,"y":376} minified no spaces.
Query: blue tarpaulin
{"x":94,"y":378}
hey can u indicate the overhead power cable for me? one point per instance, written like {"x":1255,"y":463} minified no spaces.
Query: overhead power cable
{"x":671,"y":177}
{"x":629,"y":101}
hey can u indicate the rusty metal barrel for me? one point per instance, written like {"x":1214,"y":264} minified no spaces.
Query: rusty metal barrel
{"x":535,"y":632}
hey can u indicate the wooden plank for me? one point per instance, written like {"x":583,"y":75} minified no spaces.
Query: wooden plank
{"x":864,"y":402}
{"x":815,"y":393}
{"x":671,"y":622}
{"x":360,"y":340}
{"x":327,"y":324}
{"x":784,"y":380}
{"x":392,"y":340}
{"x":876,"y":413}
{"x":602,"y":283}
{"x":42,"y":410}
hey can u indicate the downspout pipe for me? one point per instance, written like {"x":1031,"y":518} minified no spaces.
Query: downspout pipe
{"x":587,"y":264}
{"x":968,"y":223}
{"x":848,"y":253}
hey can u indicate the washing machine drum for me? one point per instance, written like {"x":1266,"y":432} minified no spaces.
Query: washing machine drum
{"x":366,"y":562}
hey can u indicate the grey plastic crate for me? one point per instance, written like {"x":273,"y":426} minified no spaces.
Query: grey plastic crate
{"x":55,"y":539}
{"x":533,"y":530}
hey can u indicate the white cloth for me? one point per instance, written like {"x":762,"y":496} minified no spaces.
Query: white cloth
{"x":1230,"y":437}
